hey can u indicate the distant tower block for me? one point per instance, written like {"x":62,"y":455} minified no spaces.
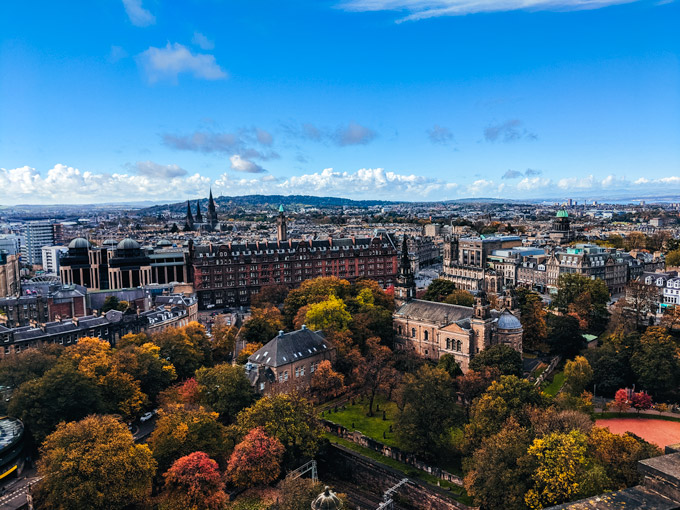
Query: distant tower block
{"x":281,"y":228}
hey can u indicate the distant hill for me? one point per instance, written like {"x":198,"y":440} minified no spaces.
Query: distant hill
{"x":266,"y":200}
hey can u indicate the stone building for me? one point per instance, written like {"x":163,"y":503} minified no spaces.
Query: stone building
{"x":287,"y":362}
{"x":10,"y":279}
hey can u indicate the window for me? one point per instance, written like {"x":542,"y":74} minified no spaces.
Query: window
{"x":285,"y":375}
{"x":459,"y":345}
{"x":280,"y":377}
{"x":426,"y":335}
{"x":448,"y":343}
{"x":297,"y":372}
{"x":312,"y":367}
{"x":413,"y":332}
{"x":261,"y":386}
{"x":302,"y":371}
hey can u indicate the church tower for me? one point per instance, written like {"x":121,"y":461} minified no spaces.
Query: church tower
{"x":481,"y":323}
{"x":212,"y":213}
{"x":199,"y":216}
{"x":189,"y":223}
{"x":281,"y":227}
{"x":405,"y":288}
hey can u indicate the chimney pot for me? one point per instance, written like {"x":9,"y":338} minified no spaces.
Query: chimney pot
{"x":304,"y":326}
{"x":280,"y":332}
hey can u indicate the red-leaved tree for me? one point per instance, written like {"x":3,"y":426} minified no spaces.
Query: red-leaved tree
{"x":256,"y":460}
{"x":195,"y":482}
{"x":621,"y":403}
{"x":641,"y":401}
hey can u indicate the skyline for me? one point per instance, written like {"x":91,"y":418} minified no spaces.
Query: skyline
{"x":364,"y":99}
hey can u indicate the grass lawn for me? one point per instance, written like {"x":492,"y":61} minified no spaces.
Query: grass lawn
{"x":409,"y":471}
{"x":557,"y":382}
{"x":355,"y":417}
{"x":539,"y":370}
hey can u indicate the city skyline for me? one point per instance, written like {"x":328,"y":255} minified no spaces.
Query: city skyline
{"x":364,"y":99}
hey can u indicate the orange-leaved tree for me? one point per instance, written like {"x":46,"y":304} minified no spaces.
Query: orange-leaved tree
{"x":256,"y":460}
{"x":195,"y":482}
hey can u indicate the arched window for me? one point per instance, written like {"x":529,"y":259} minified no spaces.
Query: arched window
{"x":448,"y":343}
{"x":459,"y":345}
{"x":400,"y":330}
{"x":426,"y":335}
{"x":413,"y":332}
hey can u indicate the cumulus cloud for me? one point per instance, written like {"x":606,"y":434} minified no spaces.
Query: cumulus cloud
{"x":511,"y":174}
{"x":533,"y":183}
{"x":508,"y":131}
{"x":241,"y":142}
{"x":440,"y":135}
{"x":202,"y":41}
{"x":151,"y":169}
{"x":422,"y":9}
{"x":174,"y":59}
{"x":138,"y":15}
{"x":482,"y":188}
{"x":531,"y":172}
{"x":243,"y":165}
{"x":344,"y":135}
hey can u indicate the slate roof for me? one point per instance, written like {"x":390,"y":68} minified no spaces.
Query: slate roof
{"x":290,"y":347}
{"x":429,"y":311}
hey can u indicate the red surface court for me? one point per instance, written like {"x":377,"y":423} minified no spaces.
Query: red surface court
{"x":659,"y":432}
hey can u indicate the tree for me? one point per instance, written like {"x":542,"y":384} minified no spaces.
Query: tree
{"x":673,"y":258}
{"x":503,"y":357}
{"x":145,"y":364}
{"x":226,"y":389}
{"x":563,"y":471}
{"x":298,"y":493}
{"x":532,"y":317}
{"x":584,"y":298}
{"x":329,"y":314}
{"x":439,"y":289}
{"x":374,"y":368}
{"x":186,"y":348}
{"x":288,"y":417}
{"x":641,"y":401}
{"x":94,"y":463}
{"x":313,"y":291}
{"x":113,"y":303}
{"x":327,"y":381}
{"x":26,"y":365}
{"x":62,"y":394}
{"x":223,"y":339}
{"x":578,"y":374}
{"x":564,"y":337}
{"x":499,"y":473}
{"x":448,"y":363}
{"x":246,"y":352}
{"x":256,"y":460}
{"x":621,"y":403}
{"x":263,"y":325}
{"x":656,"y":364}
{"x":473,"y":384}
{"x":193,"y":482}
{"x":181,"y":430}
{"x":428,"y":410}
{"x":642,"y":299}
{"x":270,"y":295}
{"x":460,"y":297}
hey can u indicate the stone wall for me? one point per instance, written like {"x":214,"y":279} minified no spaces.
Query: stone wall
{"x":389,"y":451}
{"x":340,"y":462}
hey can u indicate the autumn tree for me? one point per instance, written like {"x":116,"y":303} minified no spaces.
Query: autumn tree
{"x":94,"y":463}
{"x":428,"y":410}
{"x":187,"y":393}
{"x":145,"y":364}
{"x":263,"y":325}
{"x":473,"y":384}
{"x":313,"y":291}
{"x":578,"y":374}
{"x":298,"y":493}
{"x":328,"y":314}
{"x":193,"y":482}
{"x":374,"y":368}
{"x":186,"y":348}
{"x":641,"y":401}
{"x":223,"y":339}
{"x":226,"y":389}
{"x":270,"y":295}
{"x":62,"y":394}
{"x":460,"y":297}
{"x":673,"y":258}
{"x":180,"y":431}
{"x":532,"y":317}
{"x":562,"y":471}
{"x":256,"y":460}
{"x":584,"y":298}
{"x":503,"y":357}
{"x":499,"y":473}
{"x":643,"y":300}
{"x":656,"y":364}
{"x":621,"y":402}
{"x":288,"y":417}
{"x":327,"y":381}
{"x":246,"y":352}
{"x":27,"y":365}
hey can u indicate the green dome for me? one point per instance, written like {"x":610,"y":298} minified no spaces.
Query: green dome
{"x":562,"y":213}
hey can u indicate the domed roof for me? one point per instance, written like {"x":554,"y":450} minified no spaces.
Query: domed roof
{"x":508,"y":321}
{"x":562,"y":213}
{"x":327,"y":500}
{"x":163,"y":242}
{"x":79,"y":242}
{"x":110,"y":242}
{"x":128,"y":244}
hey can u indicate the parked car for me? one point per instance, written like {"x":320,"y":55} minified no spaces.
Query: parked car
{"x":146,"y":417}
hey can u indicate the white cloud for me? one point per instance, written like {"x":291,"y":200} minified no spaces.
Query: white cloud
{"x":202,"y":41}
{"x":151,"y":169}
{"x":422,"y":9}
{"x":138,"y":15}
{"x":483,"y":188}
{"x":169,"y":62}
{"x":243,"y":165}
{"x":577,"y":182}
{"x":533,"y":183}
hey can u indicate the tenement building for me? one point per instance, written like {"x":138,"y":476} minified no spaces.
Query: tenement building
{"x":229,"y":274}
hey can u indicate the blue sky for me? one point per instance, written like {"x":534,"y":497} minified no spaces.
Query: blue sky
{"x":116,"y":100}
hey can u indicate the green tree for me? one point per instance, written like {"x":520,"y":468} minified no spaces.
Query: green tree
{"x":226,"y":389}
{"x":532,"y":317}
{"x":564,"y":335}
{"x":656,"y":364}
{"x":448,"y":363}
{"x":187,"y":349}
{"x":181,"y":430}
{"x":503,"y":357}
{"x":94,"y":463}
{"x":25,"y":366}
{"x":329,"y":314}
{"x":145,"y":364}
{"x":584,"y":298}
{"x":263,"y":325}
{"x":460,"y":297}
{"x":62,"y":394}
{"x":223,"y":340}
{"x":113,"y":303}
{"x":499,"y":474}
{"x":578,"y":375}
{"x":428,"y":410}
{"x":288,"y":417}
{"x":439,"y":289}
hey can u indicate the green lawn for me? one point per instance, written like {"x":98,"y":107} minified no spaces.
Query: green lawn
{"x":355,"y":417}
{"x":409,"y":471}
{"x":539,"y":370}
{"x":557,"y":382}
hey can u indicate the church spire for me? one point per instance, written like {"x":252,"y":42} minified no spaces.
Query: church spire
{"x":212,"y":213}
{"x":199,"y":216}
{"x":189,"y":223}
